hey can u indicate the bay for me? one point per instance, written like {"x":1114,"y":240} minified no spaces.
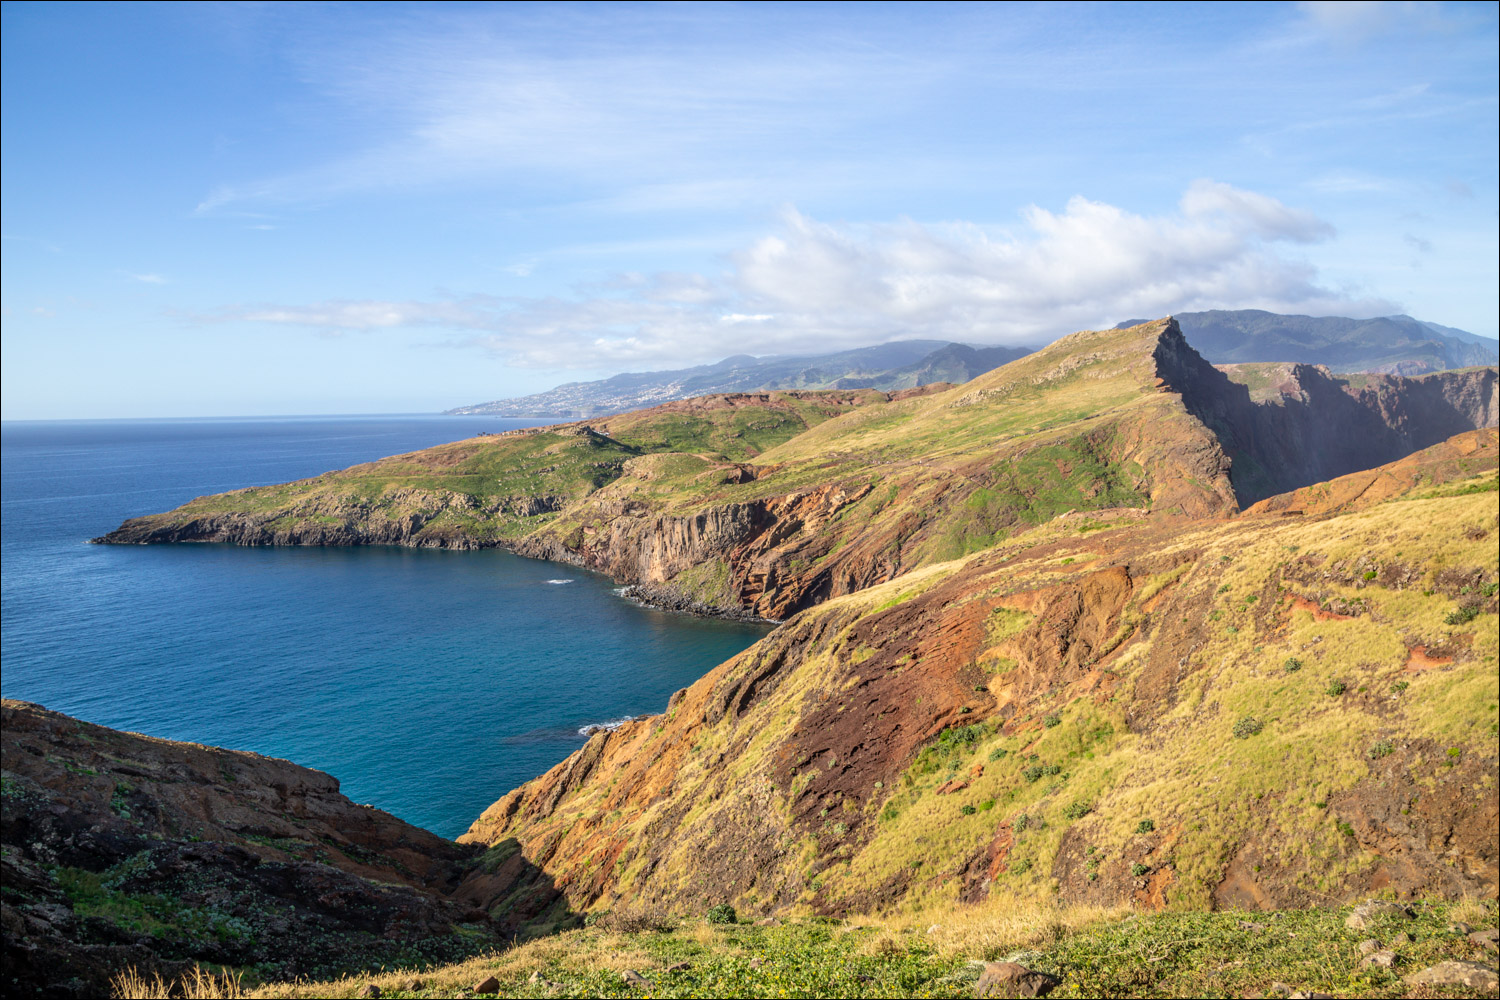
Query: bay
{"x":428,"y":682}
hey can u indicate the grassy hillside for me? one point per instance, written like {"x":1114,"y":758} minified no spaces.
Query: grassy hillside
{"x":494,"y":489}
{"x":1257,"y":712}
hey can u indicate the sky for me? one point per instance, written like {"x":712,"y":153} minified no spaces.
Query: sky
{"x":262,"y":208}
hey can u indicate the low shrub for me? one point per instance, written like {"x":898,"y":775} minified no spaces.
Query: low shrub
{"x":722,"y":914}
{"x":1247,"y":727}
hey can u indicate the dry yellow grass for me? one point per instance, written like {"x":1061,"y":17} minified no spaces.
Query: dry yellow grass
{"x":995,"y":927}
{"x":198,"y":985}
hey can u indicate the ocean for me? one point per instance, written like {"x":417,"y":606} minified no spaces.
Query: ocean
{"x":428,"y":682}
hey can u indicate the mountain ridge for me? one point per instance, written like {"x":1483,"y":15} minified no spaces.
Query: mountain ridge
{"x":763,"y":504}
{"x":891,"y":366}
{"x":1397,"y":345}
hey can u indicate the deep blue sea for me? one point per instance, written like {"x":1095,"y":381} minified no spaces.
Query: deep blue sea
{"x":429,"y":683}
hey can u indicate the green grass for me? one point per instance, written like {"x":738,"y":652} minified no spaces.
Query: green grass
{"x":1166,"y":955}
{"x":93,"y":895}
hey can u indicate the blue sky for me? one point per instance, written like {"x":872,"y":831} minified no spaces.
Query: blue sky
{"x":337,"y":208}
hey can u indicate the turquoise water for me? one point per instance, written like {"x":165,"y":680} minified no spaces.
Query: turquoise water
{"x":428,"y":682}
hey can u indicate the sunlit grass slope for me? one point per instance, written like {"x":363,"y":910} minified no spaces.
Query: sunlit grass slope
{"x":1092,"y":953}
{"x":1227,"y":713}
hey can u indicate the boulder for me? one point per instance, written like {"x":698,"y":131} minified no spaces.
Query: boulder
{"x":489,"y":984}
{"x":1007,"y":979}
{"x":1468,"y":974}
{"x":1367,"y":913}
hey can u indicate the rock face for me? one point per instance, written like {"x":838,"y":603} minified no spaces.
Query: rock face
{"x":1460,"y":457}
{"x":126,"y":850}
{"x":1303,"y":425}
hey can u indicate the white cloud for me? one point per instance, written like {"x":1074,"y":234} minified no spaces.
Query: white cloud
{"x":814,"y":285}
{"x":150,"y":279}
{"x":666,"y":125}
{"x":1357,"y":20}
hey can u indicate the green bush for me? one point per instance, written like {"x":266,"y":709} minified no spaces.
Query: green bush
{"x":1384,"y":748}
{"x":1021,"y":867}
{"x":1051,"y":721}
{"x":1247,"y":727}
{"x":1020,"y":823}
{"x":1336,"y":688}
{"x":722,"y":914}
{"x":1462,"y":615}
{"x":1292,"y":665}
{"x":1139,"y":869}
{"x":968,"y":810}
{"x":1078,"y":810}
{"x":998,"y":753}
{"x":1145,"y":826}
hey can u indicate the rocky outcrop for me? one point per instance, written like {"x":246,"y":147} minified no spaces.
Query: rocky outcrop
{"x":1312,"y":426}
{"x":123,"y":850}
{"x":400,"y":517}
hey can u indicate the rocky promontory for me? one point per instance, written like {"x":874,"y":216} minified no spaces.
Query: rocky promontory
{"x":764,"y":504}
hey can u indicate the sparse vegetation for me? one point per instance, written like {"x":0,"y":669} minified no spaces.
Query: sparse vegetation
{"x":722,"y":914}
{"x":1247,"y":727}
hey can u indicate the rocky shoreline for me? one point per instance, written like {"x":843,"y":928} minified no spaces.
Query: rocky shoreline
{"x":663,"y":599}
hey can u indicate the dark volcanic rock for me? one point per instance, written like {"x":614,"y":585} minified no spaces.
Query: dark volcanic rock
{"x":123,"y":850}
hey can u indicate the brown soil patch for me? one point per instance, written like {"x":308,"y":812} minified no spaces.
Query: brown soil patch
{"x":1422,"y":658}
{"x":1319,"y":613}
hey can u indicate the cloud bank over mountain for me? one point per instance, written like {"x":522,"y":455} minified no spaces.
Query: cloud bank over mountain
{"x":838,"y":285}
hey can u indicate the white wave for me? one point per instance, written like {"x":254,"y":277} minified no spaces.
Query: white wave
{"x":607,"y":727}
{"x":557,"y":583}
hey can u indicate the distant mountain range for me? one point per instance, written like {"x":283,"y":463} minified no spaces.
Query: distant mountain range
{"x":901,"y":364}
{"x":1392,"y":345}
{"x":1397,"y":345}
